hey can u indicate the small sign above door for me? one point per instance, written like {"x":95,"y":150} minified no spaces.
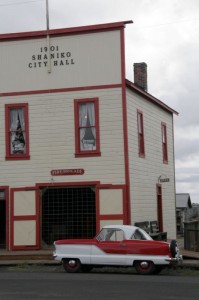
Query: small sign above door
{"x":164,"y":179}
{"x":66,"y":172}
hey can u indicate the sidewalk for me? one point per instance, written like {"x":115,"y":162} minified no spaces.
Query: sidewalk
{"x":27,"y":257}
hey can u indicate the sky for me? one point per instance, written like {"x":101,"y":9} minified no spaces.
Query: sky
{"x":164,"y":35}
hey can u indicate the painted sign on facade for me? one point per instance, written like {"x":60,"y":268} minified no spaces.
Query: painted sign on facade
{"x":64,"y":172}
{"x":60,"y":63}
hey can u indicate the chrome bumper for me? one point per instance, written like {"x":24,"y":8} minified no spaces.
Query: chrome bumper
{"x":175,"y":260}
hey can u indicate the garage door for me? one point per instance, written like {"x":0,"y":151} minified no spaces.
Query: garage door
{"x":67,"y":212}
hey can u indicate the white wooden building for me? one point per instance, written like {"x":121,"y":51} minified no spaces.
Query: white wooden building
{"x":81,"y":146}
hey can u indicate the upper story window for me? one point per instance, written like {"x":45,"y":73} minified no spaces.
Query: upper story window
{"x":87,"y":127}
{"x":17,"y":136}
{"x":140,"y":126}
{"x":164,"y":143}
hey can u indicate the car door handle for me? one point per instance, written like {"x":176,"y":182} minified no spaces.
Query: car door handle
{"x":123,"y":245}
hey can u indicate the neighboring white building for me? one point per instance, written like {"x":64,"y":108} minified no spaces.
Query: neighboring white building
{"x":81,"y":145}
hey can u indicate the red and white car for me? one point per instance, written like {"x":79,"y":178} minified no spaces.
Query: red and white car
{"x":117,"y":245}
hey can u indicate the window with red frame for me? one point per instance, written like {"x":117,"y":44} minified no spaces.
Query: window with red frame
{"x":164,"y":143}
{"x":17,"y":136}
{"x":141,"y":148}
{"x":87,"y":127}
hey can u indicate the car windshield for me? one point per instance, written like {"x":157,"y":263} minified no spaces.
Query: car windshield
{"x":110,"y":234}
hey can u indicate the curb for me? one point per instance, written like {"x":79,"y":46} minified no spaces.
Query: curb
{"x":187,"y":264}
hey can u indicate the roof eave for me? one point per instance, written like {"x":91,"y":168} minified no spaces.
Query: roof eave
{"x":149,"y":97}
{"x":64,"y":31}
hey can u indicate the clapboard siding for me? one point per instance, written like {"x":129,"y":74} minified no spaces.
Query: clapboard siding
{"x":145,"y":172}
{"x":52,"y":140}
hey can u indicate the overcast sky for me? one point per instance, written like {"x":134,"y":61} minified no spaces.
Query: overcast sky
{"x":165,"y":35}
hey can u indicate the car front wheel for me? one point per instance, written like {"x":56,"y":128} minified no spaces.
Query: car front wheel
{"x":145,"y":267}
{"x":72,"y":265}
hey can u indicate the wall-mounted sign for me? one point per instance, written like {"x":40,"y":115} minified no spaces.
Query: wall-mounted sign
{"x":164,"y":180}
{"x":54,"y":54}
{"x":65,"y":172}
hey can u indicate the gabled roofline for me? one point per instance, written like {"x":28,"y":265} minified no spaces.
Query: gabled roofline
{"x":188,"y":200}
{"x":149,"y":97}
{"x":64,"y":31}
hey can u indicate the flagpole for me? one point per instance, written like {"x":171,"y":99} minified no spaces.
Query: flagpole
{"x":47,"y":16}
{"x":48,"y":36}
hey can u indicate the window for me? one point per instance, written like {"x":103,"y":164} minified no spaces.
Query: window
{"x":17,"y":138}
{"x":138,"y":235}
{"x":87,"y":127}
{"x":141,"y":149}
{"x":111,"y":234}
{"x":164,"y":143}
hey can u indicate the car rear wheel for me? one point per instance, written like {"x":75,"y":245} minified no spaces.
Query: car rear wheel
{"x":144,"y":267}
{"x":72,"y":265}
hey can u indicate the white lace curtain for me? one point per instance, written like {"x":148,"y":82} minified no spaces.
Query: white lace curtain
{"x":17,"y":121}
{"x":87,"y":126}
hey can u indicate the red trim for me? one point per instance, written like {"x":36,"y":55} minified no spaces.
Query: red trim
{"x":10,"y":156}
{"x":24,"y":217}
{"x":61,"y":90}
{"x":6,"y":190}
{"x":97,"y":209}
{"x":78,"y":151}
{"x":174,"y":172}
{"x":125,"y":130}
{"x":79,"y":183}
{"x":87,"y":154}
{"x":112,"y":217}
{"x":64,"y":31}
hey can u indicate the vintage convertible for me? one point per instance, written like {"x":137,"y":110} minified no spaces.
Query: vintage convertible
{"x":118,"y":246}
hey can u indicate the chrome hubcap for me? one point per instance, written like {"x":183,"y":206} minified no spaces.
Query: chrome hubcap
{"x":72,"y":263}
{"x":144,"y":264}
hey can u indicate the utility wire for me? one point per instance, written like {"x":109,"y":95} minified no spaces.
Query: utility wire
{"x":165,"y":24}
{"x":21,"y":2}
